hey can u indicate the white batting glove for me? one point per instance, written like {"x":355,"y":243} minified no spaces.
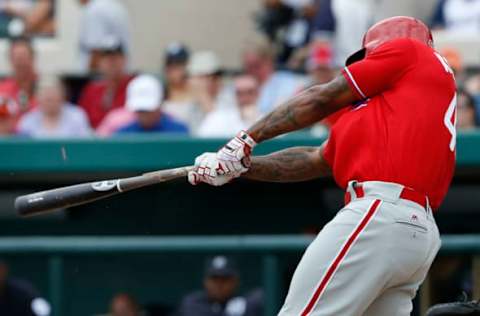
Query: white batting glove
{"x":236,"y":154}
{"x":210,"y":170}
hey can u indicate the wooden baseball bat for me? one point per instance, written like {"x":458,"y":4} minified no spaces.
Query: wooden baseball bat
{"x":45,"y":201}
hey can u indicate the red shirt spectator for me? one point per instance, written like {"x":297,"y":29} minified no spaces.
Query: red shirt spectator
{"x":8,"y":116}
{"x":10,"y":88}
{"x":20,"y":86}
{"x":101,"y":96}
{"x":98,"y":98}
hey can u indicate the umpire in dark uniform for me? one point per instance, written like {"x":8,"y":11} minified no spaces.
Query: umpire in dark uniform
{"x":218,"y":298}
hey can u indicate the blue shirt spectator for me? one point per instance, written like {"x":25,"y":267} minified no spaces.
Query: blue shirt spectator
{"x":164,"y":124}
{"x":144,"y":99}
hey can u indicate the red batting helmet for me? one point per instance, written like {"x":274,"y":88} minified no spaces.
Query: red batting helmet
{"x":389,"y":29}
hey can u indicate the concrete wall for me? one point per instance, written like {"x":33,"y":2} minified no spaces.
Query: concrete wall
{"x":220,"y":25}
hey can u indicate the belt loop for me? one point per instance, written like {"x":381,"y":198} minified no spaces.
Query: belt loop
{"x":428,"y":207}
{"x":351,"y":189}
{"x":359,"y":192}
{"x":350,"y":194}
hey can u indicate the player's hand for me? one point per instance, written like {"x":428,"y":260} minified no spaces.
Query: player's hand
{"x":209,"y":169}
{"x":236,"y":154}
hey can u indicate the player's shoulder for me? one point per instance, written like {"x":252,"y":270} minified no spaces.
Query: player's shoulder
{"x":406,"y":50}
{"x":404,"y":45}
{"x":408,"y":46}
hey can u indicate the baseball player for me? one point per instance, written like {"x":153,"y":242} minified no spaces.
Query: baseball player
{"x":393,"y":151}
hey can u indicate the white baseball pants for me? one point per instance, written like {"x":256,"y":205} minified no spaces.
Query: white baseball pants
{"x":369,"y":260}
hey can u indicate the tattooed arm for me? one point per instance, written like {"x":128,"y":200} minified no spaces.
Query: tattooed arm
{"x":290,"y":165}
{"x":296,"y":164}
{"x":310,"y":106}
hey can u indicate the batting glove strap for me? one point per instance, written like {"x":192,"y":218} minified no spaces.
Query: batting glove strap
{"x":247,"y":139}
{"x":238,"y":148}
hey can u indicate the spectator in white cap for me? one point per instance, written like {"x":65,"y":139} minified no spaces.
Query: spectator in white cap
{"x":206,"y":79}
{"x":144,"y":98}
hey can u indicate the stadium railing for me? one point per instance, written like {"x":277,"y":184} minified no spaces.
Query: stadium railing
{"x":147,"y":152}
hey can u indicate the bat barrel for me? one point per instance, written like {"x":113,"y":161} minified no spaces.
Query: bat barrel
{"x":36,"y":203}
{"x":41,"y":202}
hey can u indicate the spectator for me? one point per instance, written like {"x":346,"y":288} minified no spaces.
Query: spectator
{"x":461,"y":17}
{"x":179,"y":101}
{"x":8,"y":116}
{"x":288,"y":24}
{"x":144,"y":98}
{"x":124,"y":305}
{"x":101,"y":96}
{"x":54,"y":117}
{"x":275,"y":86}
{"x":465,"y":111}
{"x":321,"y":70}
{"x":20,"y":86}
{"x":101,"y":19}
{"x":320,"y":64}
{"x":19,"y":298}
{"x":455,"y":61}
{"x":207,"y":82}
{"x":226,"y":122}
{"x":218,"y":296}
{"x":114,"y":120}
{"x":342,"y":23}
{"x":29,"y":17}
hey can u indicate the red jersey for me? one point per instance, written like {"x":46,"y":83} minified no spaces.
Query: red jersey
{"x":404,"y":130}
{"x":10,"y":89}
{"x":97,"y":100}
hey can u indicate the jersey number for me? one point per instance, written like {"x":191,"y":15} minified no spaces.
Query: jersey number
{"x":450,"y":121}
{"x":444,"y":63}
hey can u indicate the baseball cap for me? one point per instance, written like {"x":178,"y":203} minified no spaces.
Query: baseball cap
{"x":320,"y":56}
{"x":110,"y":45}
{"x":144,"y":93}
{"x":220,"y":266}
{"x":204,"y":63}
{"x":176,"y":53}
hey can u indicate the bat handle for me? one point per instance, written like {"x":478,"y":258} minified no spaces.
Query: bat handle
{"x":153,"y":177}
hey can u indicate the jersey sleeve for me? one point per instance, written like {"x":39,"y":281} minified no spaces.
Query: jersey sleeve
{"x":328,"y":152}
{"x":381,"y":69}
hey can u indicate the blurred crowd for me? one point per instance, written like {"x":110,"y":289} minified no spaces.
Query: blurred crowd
{"x":218,"y":294}
{"x":300,"y":43}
